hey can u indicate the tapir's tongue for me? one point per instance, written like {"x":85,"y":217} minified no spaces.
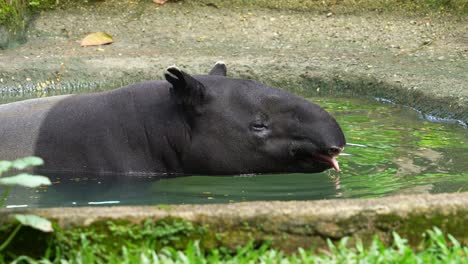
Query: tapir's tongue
{"x":335,"y":164}
{"x":331,"y":160}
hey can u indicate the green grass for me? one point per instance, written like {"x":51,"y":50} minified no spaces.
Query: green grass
{"x":11,"y":13}
{"x":437,"y":248}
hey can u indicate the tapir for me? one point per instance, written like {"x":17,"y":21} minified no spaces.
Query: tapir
{"x":183,"y":125}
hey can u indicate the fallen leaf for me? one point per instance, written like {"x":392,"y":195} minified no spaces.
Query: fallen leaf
{"x":160,"y":2}
{"x":95,"y":39}
{"x":201,"y":39}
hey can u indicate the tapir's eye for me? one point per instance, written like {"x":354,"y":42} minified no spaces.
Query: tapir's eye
{"x":260,"y":124}
{"x":259,"y":127}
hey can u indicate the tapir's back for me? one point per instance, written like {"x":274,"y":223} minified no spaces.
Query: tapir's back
{"x":98,"y":132}
{"x":20,"y":123}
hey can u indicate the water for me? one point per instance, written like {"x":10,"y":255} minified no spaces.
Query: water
{"x":391,"y":151}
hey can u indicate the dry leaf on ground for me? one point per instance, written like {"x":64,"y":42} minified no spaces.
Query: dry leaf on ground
{"x":95,"y":39}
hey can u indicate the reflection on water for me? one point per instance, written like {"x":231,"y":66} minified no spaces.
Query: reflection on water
{"x":193,"y":189}
{"x":390,"y":151}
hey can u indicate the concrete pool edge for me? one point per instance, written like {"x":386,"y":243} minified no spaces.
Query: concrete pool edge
{"x":288,"y":225}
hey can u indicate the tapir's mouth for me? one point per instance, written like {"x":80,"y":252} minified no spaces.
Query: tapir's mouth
{"x":331,"y":160}
{"x":319,"y":159}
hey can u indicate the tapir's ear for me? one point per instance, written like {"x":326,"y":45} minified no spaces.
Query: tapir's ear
{"x":187,"y":90}
{"x":219,"y":69}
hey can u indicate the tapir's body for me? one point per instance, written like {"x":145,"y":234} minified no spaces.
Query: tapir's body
{"x":207,"y":124}
{"x":127,"y":130}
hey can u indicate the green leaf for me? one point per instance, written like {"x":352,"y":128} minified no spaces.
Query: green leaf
{"x":35,"y":222}
{"x":23,"y":163}
{"x":25,"y":180}
{"x":4,"y":166}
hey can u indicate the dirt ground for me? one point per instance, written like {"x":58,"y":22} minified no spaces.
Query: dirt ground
{"x":414,"y":60}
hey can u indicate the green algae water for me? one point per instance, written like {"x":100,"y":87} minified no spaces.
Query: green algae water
{"x":391,"y":150}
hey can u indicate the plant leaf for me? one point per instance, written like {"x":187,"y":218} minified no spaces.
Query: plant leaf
{"x":23,"y":163}
{"x":4,"y":166}
{"x":35,"y":222}
{"x":95,"y":39}
{"x":25,"y":180}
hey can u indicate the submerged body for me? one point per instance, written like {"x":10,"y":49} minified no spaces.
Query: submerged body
{"x":207,"y":124}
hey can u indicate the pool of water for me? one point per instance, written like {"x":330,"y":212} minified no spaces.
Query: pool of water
{"x":391,"y":151}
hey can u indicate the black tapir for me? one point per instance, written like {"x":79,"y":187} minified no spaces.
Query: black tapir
{"x":205,"y":124}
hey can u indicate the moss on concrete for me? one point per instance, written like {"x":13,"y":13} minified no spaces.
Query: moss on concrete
{"x":286,"y":225}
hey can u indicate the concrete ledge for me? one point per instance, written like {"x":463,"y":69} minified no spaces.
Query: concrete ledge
{"x":288,"y":224}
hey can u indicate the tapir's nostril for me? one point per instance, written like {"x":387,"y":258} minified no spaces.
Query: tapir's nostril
{"x":334,"y":151}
